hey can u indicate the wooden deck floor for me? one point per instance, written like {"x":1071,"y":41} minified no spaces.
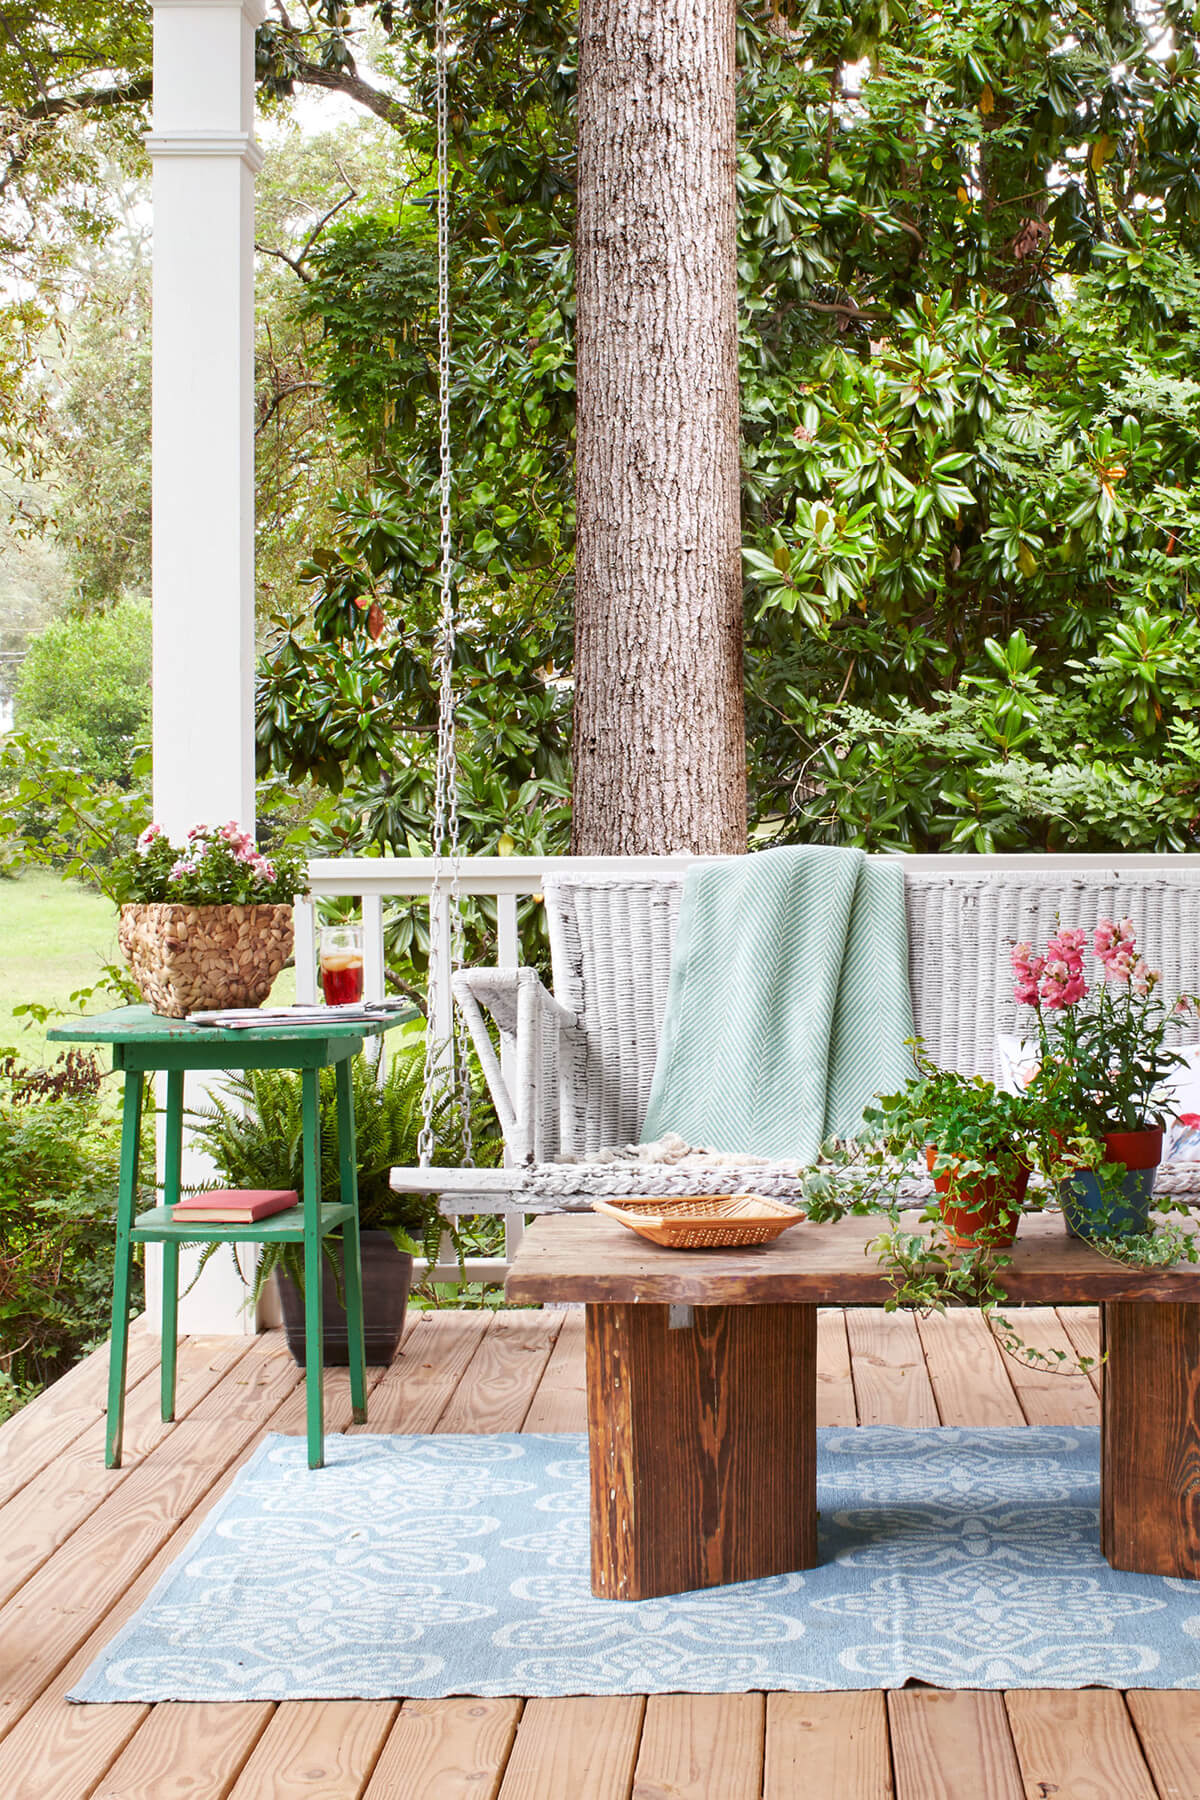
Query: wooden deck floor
{"x":80,"y":1546}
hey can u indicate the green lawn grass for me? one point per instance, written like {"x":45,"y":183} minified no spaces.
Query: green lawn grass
{"x":55,"y":937}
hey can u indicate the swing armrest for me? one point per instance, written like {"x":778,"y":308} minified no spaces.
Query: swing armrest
{"x":536,"y":1030}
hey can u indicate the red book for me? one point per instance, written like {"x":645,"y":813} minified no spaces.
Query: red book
{"x":234,"y":1206}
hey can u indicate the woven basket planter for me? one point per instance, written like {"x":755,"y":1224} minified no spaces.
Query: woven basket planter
{"x":189,"y":958}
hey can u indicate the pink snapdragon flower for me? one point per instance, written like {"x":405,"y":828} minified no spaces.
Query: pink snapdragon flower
{"x":1114,"y":946}
{"x":147,"y":838}
{"x":1069,"y":946}
{"x":1062,"y":985}
{"x":1143,"y":979}
{"x":183,"y":866}
{"x":1028,"y":970}
{"x":1063,"y":982}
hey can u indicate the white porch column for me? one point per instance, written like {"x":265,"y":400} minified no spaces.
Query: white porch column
{"x":205,"y":159}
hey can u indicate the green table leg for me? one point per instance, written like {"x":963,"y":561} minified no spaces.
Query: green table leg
{"x":118,"y":1350}
{"x":172,"y":1161}
{"x":314,"y":1330}
{"x":351,"y":1248}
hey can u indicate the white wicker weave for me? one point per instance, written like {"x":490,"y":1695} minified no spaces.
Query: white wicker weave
{"x":584,"y":1057}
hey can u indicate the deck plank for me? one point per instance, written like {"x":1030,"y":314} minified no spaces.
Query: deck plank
{"x":43,"y":1625}
{"x":835,"y":1384}
{"x":1168,"y":1725}
{"x":498,"y":1385}
{"x":948,"y":1746}
{"x":1082,"y":1326}
{"x":56,"y":1749}
{"x":560,"y":1403}
{"x":187,"y":1752}
{"x":414,"y":1392}
{"x":1078,"y":1745}
{"x":43,"y":1515}
{"x":968,"y":1373}
{"x":891,"y":1383}
{"x":446,"y":1750}
{"x":833,"y":1745}
{"x":1048,"y":1396}
{"x":44,"y":1429}
{"x":580,"y":1748}
{"x":701,"y":1747}
{"x":317,"y":1750}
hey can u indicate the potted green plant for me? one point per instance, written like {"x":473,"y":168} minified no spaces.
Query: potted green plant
{"x":252,"y":1132}
{"x":1102,"y":1057}
{"x":977,"y":1142}
{"x":207,"y":923}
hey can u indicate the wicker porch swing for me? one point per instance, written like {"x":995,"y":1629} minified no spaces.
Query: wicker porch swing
{"x":582,"y":1057}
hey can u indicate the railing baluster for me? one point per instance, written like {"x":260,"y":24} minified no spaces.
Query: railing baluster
{"x":373,"y":963}
{"x":508,"y":938}
{"x":305,"y":953}
{"x":508,"y":956}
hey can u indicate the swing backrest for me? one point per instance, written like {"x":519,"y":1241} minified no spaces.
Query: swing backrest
{"x":611,"y":948}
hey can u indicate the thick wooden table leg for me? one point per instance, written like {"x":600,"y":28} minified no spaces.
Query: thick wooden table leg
{"x":1150,"y":1438}
{"x":703,"y":1446}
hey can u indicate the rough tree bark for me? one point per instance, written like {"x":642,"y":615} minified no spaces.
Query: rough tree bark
{"x":660,"y":757}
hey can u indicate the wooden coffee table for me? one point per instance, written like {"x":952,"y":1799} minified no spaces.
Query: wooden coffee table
{"x":702,"y":1392}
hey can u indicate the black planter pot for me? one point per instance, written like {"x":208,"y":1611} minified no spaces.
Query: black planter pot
{"x":387,"y":1278}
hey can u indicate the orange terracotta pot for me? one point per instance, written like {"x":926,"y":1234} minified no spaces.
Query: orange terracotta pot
{"x":983,"y":1215}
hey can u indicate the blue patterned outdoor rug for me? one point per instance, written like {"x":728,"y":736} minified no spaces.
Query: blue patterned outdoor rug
{"x":428,"y":1566}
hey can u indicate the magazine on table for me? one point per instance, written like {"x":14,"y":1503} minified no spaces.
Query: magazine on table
{"x":245,"y":1018}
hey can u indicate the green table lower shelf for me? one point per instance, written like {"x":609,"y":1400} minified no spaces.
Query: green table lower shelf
{"x":159,"y":1226}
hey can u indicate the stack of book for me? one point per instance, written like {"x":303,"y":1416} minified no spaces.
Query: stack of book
{"x":233,"y":1206}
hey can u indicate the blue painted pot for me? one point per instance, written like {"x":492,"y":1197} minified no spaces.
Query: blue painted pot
{"x":1081,"y":1200}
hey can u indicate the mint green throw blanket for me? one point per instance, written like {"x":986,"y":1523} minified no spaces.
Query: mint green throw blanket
{"x":788,"y":1003}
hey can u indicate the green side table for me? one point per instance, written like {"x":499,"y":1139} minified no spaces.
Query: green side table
{"x":143,"y":1043}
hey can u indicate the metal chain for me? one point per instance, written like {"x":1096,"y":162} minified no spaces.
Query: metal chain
{"x":444,"y":958}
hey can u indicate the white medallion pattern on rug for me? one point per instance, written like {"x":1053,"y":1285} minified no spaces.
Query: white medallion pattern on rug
{"x":427,"y":1566}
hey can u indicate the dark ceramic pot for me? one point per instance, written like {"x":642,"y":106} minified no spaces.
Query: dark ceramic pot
{"x":387,"y":1278}
{"x":1082,"y":1200}
{"x":984,"y":1215}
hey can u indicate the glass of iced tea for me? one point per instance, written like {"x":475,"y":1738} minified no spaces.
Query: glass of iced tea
{"x":342,"y":964}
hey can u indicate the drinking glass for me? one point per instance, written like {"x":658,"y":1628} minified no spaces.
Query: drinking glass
{"x":342,"y":964}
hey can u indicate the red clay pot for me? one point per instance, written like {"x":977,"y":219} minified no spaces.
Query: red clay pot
{"x":1136,"y":1149}
{"x":984,"y":1214}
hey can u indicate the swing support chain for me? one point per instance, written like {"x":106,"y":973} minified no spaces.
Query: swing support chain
{"x":445,"y":957}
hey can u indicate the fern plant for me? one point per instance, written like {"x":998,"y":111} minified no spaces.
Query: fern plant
{"x":254,"y":1134}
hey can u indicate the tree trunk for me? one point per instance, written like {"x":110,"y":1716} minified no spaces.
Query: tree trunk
{"x":660,"y":754}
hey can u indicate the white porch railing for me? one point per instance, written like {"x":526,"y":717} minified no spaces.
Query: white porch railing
{"x":506,"y":881}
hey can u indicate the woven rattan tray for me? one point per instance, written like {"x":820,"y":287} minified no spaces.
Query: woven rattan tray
{"x":702,"y":1222}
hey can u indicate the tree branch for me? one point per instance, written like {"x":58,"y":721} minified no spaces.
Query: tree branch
{"x":351,"y":83}
{"x":297,"y":387}
{"x":125,"y":93}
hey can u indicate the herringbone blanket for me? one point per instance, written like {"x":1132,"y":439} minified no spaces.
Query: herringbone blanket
{"x":788,"y":1003}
